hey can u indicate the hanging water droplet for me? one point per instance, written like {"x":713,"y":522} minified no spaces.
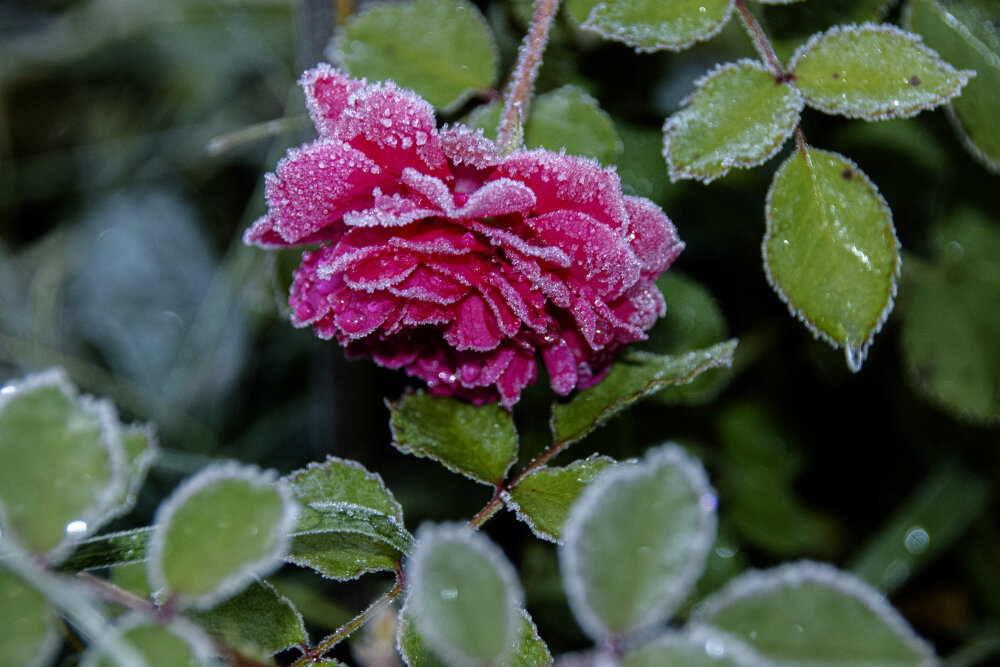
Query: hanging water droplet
{"x":855,"y":357}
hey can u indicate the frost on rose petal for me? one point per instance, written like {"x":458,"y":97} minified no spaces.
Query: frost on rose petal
{"x":441,"y":257}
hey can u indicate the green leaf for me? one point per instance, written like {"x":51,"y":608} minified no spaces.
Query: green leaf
{"x":108,"y":550}
{"x":175,"y":644}
{"x":441,"y":49}
{"x":543,"y":498}
{"x":478,"y":442}
{"x":636,"y":542}
{"x":340,"y":481}
{"x":566,"y":118}
{"x":951,"y":324}
{"x":349,"y":522}
{"x":463,"y":595}
{"x":873,"y":72}
{"x":257,"y":622}
{"x":62,"y":459}
{"x":653,"y":25}
{"x":938,"y":513}
{"x":695,"y":646}
{"x":738,"y":116}
{"x":217,"y":532}
{"x":967,"y":33}
{"x":634,"y":376}
{"x":756,"y":483}
{"x":693,"y":321}
{"x":529,"y":649}
{"x":29,"y":632}
{"x":813,"y":614}
{"x":830,"y":250}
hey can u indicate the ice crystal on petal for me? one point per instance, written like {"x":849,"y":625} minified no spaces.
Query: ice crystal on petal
{"x":460,"y":266}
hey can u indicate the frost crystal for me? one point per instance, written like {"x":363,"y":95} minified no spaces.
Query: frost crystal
{"x":440,"y":257}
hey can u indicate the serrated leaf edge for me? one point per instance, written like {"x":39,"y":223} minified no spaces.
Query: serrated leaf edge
{"x":515,"y":507}
{"x":723,"y":359}
{"x":673,"y":121}
{"x":592,"y":25}
{"x":891,"y":112}
{"x":855,"y":355}
{"x":592,"y":499}
{"x":349,"y":463}
{"x":480,"y":544}
{"x":235,"y":582}
{"x":755,"y":582}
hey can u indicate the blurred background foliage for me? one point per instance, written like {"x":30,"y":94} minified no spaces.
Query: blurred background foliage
{"x":134,"y":135}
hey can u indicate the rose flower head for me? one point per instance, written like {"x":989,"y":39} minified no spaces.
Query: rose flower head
{"x":440,"y":256}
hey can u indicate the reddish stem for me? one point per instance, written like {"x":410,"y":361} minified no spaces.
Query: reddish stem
{"x":762,"y":44}
{"x":517,"y":98}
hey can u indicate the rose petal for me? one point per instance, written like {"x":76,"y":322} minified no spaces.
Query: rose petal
{"x":652,"y":236}
{"x":327,"y":91}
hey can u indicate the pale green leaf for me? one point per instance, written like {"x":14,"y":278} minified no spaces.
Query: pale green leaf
{"x":874,"y":72}
{"x":529,"y":650}
{"x":463,"y":595}
{"x":543,"y":498}
{"x":29,"y":632}
{"x":634,"y":376}
{"x":654,"y":25}
{"x":442,"y":49}
{"x":217,"y":532}
{"x":257,"y":622}
{"x":951,"y":323}
{"x":830,"y":250}
{"x":174,"y":644}
{"x":695,"y":646}
{"x":479,"y":442}
{"x":811,"y":615}
{"x":63,"y":462}
{"x":566,"y":118}
{"x":139,"y":443}
{"x":967,"y":33}
{"x":738,"y":116}
{"x":636,"y":542}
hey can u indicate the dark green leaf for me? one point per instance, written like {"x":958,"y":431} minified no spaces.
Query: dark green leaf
{"x":543,"y":498}
{"x":478,"y":442}
{"x":830,"y":250}
{"x":873,"y":72}
{"x":340,"y":481}
{"x":441,"y":49}
{"x":937,"y":514}
{"x":653,"y":25}
{"x":218,"y":531}
{"x":316,"y":518}
{"x":951,"y":324}
{"x":108,"y":550}
{"x":257,"y":622}
{"x":967,"y":33}
{"x":813,"y":614}
{"x":343,"y":556}
{"x":634,"y":376}
{"x":463,"y":595}
{"x":739,"y":116}
{"x":636,"y":542}
{"x":63,"y":462}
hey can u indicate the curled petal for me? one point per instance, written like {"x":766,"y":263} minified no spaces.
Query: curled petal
{"x":652,"y":236}
{"x":327,"y":92}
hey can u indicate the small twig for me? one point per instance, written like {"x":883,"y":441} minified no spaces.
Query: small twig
{"x":490,"y":509}
{"x":343,"y":632}
{"x":800,"y":140}
{"x":517,"y":98}
{"x":761,"y":43}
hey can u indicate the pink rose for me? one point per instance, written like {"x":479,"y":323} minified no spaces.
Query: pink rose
{"x":442,"y":257}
